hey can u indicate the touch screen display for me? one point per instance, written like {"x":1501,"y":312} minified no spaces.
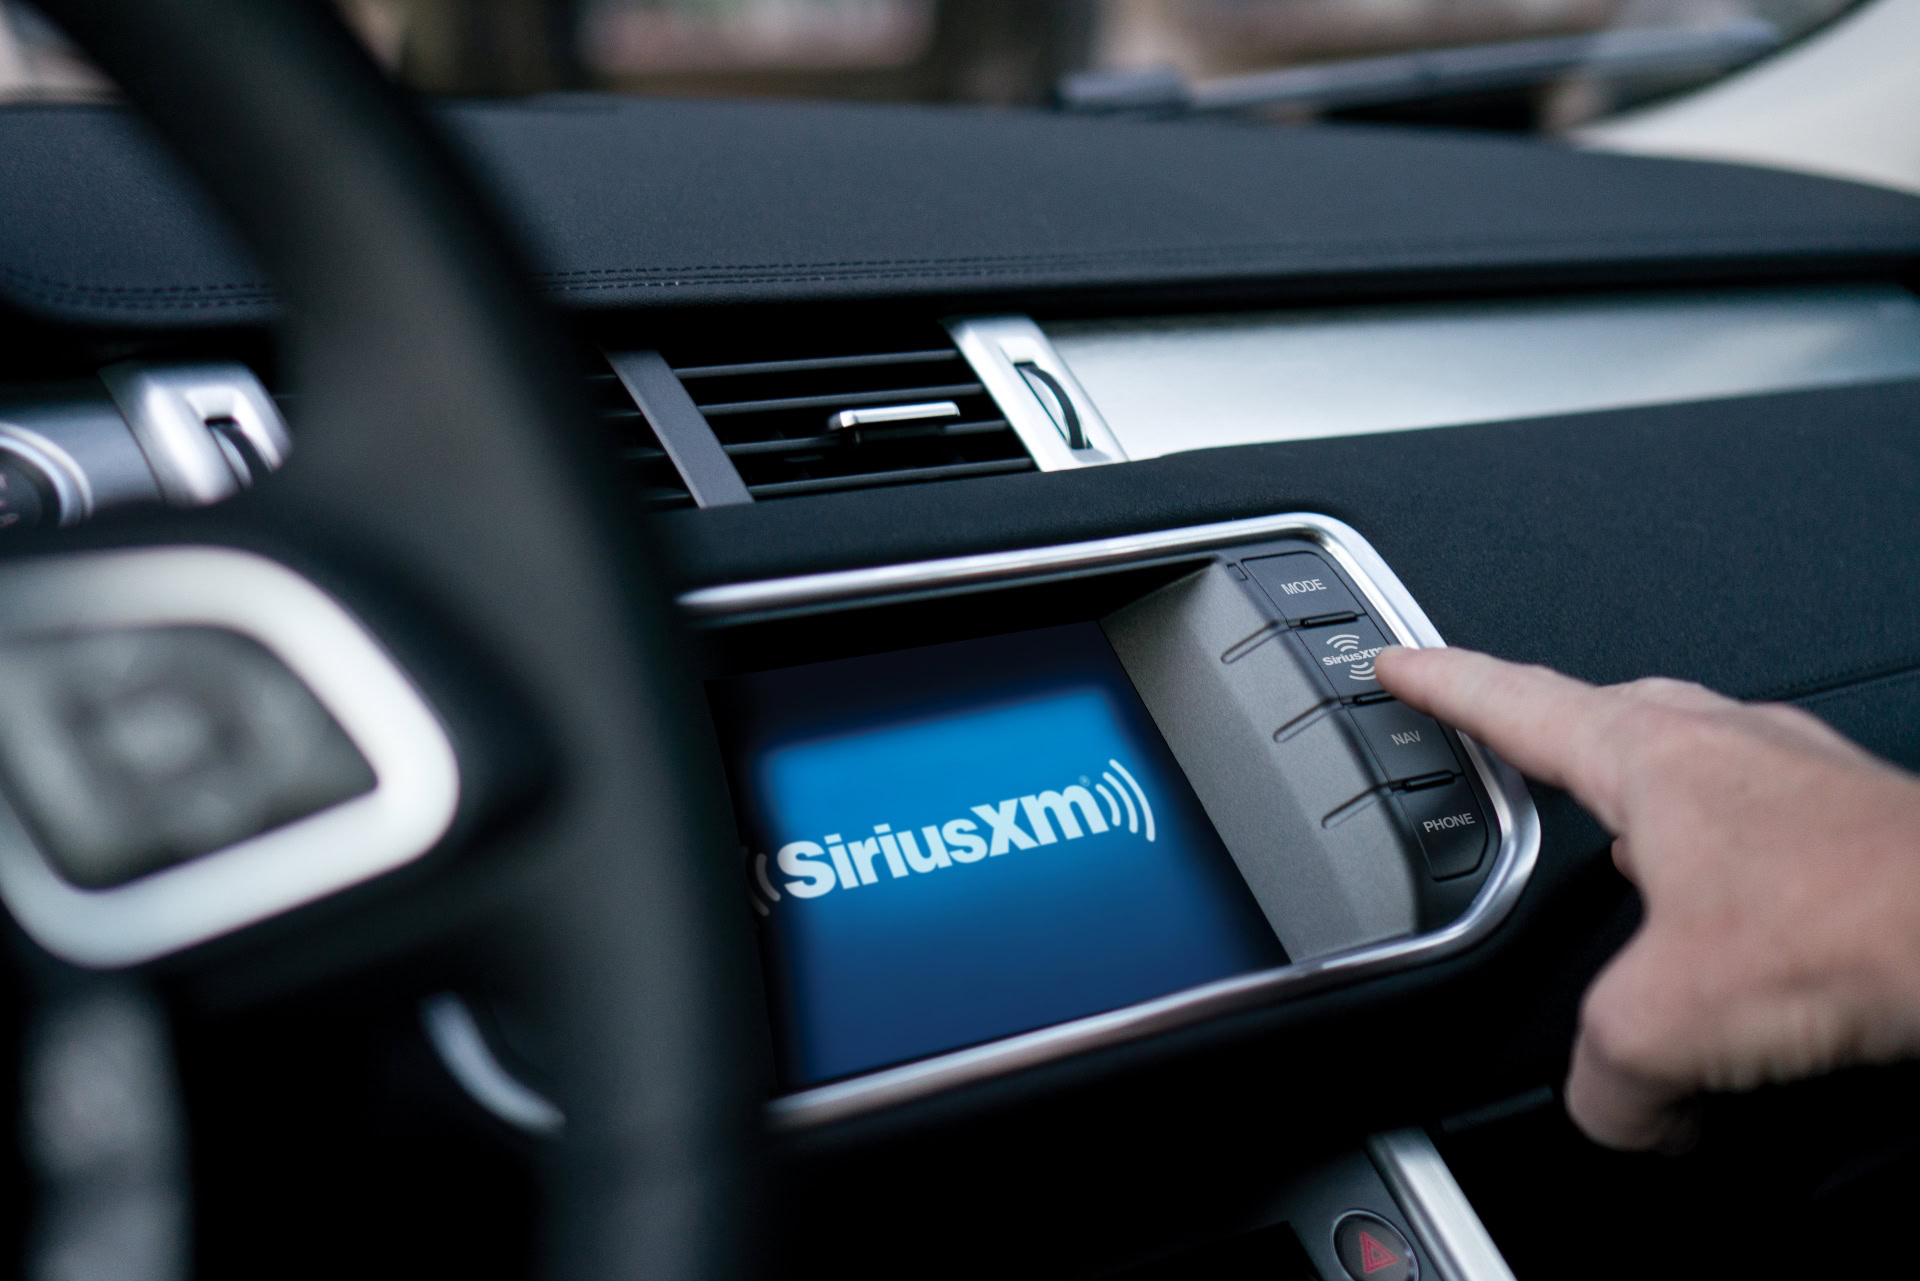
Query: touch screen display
{"x":953,"y":844}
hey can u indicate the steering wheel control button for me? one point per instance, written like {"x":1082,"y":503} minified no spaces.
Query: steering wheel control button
{"x":1302,"y":586}
{"x":1371,"y":1249}
{"x":132,"y":749}
{"x":1452,"y":831}
{"x":1343,"y":654}
{"x":1405,"y":743}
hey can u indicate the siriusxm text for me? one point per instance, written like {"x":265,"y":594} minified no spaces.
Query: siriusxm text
{"x":814,"y":868}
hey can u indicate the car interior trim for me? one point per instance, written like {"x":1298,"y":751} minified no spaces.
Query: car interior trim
{"x":1167,"y":384}
{"x":1389,"y":601}
{"x":416,"y":776}
{"x":84,"y":449}
{"x":847,"y":419}
{"x":456,"y":1037}
{"x":63,"y":474}
{"x":202,"y":427}
{"x":1436,"y":1207}
{"x":1009,"y":354}
{"x":683,"y":432}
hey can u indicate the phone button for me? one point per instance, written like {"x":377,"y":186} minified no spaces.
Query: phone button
{"x":1452,"y":831}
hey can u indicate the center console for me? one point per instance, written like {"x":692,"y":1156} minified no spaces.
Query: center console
{"x":1004,"y":808}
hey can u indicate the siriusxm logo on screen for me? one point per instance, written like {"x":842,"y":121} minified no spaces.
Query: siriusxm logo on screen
{"x":814,"y":868}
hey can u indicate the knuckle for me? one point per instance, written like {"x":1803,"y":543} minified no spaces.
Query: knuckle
{"x":1651,"y":726}
{"x":1616,"y":1041}
{"x":1664,"y":689}
{"x":1787,"y":716}
{"x":1625,"y":1032}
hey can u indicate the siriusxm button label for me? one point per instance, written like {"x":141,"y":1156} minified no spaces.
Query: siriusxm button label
{"x":1345,"y":654}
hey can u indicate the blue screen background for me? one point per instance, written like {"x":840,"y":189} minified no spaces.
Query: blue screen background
{"x":908,"y":967}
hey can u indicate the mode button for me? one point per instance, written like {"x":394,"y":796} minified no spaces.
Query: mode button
{"x":1302,"y":585}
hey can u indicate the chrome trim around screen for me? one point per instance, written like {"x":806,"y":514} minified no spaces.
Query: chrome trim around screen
{"x":1391,"y":603}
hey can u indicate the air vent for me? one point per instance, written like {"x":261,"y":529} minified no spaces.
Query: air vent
{"x":849,"y":420}
{"x":655,"y":479}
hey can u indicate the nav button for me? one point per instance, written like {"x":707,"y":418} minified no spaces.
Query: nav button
{"x":1405,"y":743}
{"x":1452,"y":833}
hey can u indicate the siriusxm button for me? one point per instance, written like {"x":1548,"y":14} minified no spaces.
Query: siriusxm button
{"x":1343,"y":654}
{"x":1302,"y":585}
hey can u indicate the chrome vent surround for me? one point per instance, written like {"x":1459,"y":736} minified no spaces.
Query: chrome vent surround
{"x":842,"y":417}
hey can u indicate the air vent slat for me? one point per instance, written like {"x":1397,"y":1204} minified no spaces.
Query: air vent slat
{"x":655,"y":479}
{"x":908,"y":476}
{"x":842,"y":400}
{"x":693,"y":373}
{"x":869,"y":437}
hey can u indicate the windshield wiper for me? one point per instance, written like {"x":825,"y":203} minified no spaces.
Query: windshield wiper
{"x":1428,"y":73}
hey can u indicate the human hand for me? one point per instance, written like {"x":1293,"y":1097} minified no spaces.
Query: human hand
{"x":1778,"y":863}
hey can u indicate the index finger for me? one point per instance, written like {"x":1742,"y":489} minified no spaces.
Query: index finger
{"x":1551,"y":727}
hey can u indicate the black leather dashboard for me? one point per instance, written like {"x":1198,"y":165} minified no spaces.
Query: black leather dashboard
{"x":638,"y":203}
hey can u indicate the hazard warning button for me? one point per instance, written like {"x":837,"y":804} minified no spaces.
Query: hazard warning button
{"x":1370,"y":1249}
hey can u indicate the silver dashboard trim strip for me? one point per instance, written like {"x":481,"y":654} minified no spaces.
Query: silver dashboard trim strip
{"x":1171,"y":384}
{"x":1395,"y":607}
{"x":1436,"y":1208}
{"x":416,"y":776}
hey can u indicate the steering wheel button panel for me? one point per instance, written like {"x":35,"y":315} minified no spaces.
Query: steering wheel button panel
{"x":131,"y":749}
{"x":1405,"y":743}
{"x":1301,"y":586}
{"x":198,"y":739}
{"x":1343,"y":654}
{"x":1450,"y":827}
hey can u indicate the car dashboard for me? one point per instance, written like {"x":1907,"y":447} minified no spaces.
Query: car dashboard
{"x":1111,"y":451}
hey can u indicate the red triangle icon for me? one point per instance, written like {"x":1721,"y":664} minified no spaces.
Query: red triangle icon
{"x":1373,"y":1255}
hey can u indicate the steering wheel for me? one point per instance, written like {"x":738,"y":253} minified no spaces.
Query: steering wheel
{"x":447,"y":490}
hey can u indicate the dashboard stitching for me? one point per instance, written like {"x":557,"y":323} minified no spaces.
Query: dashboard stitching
{"x":1284,"y":256}
{"x":1846,"y":683}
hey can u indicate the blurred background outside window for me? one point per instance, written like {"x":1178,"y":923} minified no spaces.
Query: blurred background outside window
{"x":1504,"y":64}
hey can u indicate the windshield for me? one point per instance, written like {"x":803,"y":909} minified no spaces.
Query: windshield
{"x":1522,"y":65}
